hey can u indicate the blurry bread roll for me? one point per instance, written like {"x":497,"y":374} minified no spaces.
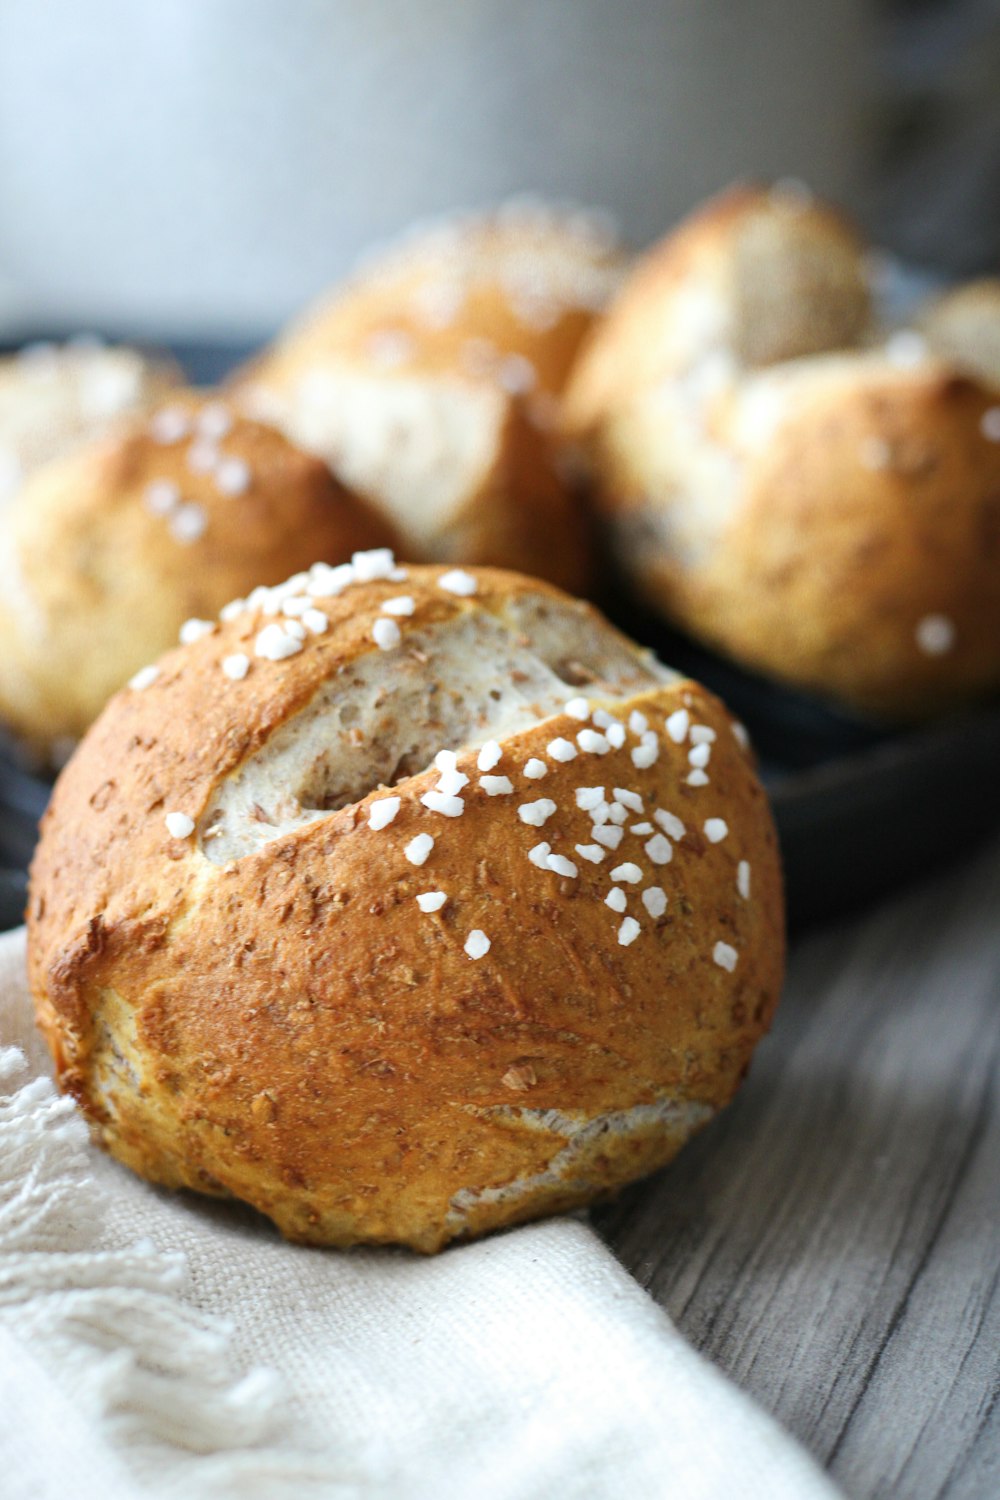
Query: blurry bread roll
{"x":54,"y":398}
{"x":430,"y":383}
{"x":963,"y":326}
{"x":452,"y":910}
{"x":831,"y":520}
{"x":755,"y":276}
{"x":105,"y":554}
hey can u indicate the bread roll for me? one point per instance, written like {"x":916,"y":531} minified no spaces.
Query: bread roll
{"x":403,"y":905}
{"x":104,"y":555}
{"x":430,"y":383}
{"x":831,"y":520}
{"x":963,"y":327}
{"x":54,"y":398}
{"x":755,"y":276}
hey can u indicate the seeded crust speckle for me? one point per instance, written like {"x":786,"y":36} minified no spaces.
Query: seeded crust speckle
{"x":289,"y":1026}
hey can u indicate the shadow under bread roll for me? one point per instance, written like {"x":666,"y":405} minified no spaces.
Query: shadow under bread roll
{"x":455,"y":910}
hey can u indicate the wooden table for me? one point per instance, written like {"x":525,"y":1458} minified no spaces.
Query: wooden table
{"x":833,"y":1241}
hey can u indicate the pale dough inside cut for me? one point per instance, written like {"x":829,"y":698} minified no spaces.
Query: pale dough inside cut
{"x":384,"y":718}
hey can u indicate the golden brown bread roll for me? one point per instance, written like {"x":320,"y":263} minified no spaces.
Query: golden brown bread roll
{"x":406,"y":904}
{"x":54,"y":398}
{"x":105,"y":554}
{"x":831,"y":520}
{"x":430,"y":383}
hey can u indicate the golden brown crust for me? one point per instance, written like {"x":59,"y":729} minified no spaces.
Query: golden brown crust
{"x":105,"y":554}
{"x":289,"y":1028}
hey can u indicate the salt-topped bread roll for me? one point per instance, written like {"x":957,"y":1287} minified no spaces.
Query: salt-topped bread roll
{"x":54,"y":398}
{"x":430,"y":383}
{"x":106,"y":554}
{"x":452,"y":909}
{"x":832,"y":520}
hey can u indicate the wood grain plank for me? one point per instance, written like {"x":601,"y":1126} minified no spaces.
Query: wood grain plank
{"x":832,"y":1241}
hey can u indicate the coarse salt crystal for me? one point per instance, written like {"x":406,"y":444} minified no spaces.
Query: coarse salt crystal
{"x":539,"y":855}
{"x":535,"y":769}
{"x":743,"y":879}
{"x":161,"y":497}
{"x":457,"y":581}
{"x":451,"y":781}
{"x":179,"y":825}
{"x":696,"y":777}
{"x":617,"y":813}
{"x":716,"y":830}
{"x":382,"y":812}
{"x":644,"y":756}
{"x":677,"y":725}
{"x":402,"y":605}
{"x":536,"y":813}
{"x":202,"y":456}
{"x":699,"y":756}
{"x":578,"y":708}
{"x":275,"y":644}
{"x":935,"y":635}
{"x":418,"y":849}
{"x":637,"y":722}
{"x":431,"y":900}
{"x":377,"y":562}
{"x":654,"y":899}
{"x":477,"y":944}
{"x":236,"y":666}
{"x":616,"y":899}
{"x":445,"y":803}
{"x":560,"y":865}
{"x":170,"y":425}
{"x":295,"y":628}
{"x":609,"y":836}
{"x":592,"y":742}
{"x":616,"y":735}
{"x":187,"y":522}
{"x":628,"y":872}
{"x":702,"y":734}
{"x":316,"y":621}
{"x":214,"y":420}
{"x":725,"y":956}
{"x":628,"y":931}
{"x":561,"y":750}
{"x":232,"y":476}
{"x":489,"y":756}
{"x":669,"y":823}
{"x":628,"y":799}
{"x":589,"y":797}
{"x":386,"y":634}
{"x":194,"y":630}
{"x":592,"y":852}
{"x":496,"y":786}
{"x":446,"y":760}
{"x":659,"y":850}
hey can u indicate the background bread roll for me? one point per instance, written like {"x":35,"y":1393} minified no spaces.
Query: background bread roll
{"x":430,"y":383}
{"x":104,"y":555}
{"x":449,"y":910}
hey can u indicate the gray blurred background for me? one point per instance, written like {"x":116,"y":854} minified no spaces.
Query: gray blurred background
{"x":183,"y":167}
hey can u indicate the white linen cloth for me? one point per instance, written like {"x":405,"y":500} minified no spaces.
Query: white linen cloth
{"x":159,"y":1345}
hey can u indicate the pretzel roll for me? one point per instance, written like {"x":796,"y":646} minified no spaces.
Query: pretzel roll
{"x":430,"y":382}
{"x":963,"y":327}
{"x":54,"y":398}
{"x":105,"y":554}
{"x":755,"y":276}
{"x":834,"y":522}
{"x":450,"y":910}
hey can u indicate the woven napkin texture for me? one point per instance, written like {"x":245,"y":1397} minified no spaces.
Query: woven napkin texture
{"x":161,"y":1345}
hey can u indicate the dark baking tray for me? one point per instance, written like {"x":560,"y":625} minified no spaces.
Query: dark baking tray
{"x":860,"y":808}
